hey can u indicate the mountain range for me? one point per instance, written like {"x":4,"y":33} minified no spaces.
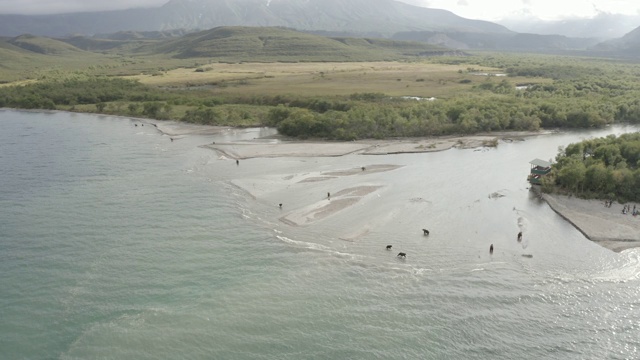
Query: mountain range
{"x":355,"y":18}
{"x":603,"y":26}
{"x":365,"y":17}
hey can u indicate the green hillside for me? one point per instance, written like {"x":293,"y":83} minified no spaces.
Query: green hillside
{"x":43,"y":45}
{"x":279,"y":44}
{"x":30,"y":57}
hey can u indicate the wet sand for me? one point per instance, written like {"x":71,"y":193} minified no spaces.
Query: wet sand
{"x":298,"y":148}
{"x":309,"y":211}
{"x":606,"y":226}
{"x":325,"y":208}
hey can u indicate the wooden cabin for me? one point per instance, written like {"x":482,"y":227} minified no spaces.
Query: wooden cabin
{"x":539,"y":168}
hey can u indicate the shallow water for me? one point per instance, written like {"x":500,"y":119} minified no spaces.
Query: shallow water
{"x":117,"y":243}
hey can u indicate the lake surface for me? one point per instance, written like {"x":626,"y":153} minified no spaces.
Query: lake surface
{"x":116,"y":243}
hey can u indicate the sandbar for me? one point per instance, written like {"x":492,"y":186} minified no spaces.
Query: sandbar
{"x":606,"y":226}
{"x":281,"y":146}
{"x":325,"y":208}
{"x":285,"y":147}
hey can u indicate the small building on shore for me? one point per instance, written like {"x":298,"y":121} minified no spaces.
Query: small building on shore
{"x":539,"y":168}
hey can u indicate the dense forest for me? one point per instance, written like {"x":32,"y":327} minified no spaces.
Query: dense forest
{"x":605,"y":168}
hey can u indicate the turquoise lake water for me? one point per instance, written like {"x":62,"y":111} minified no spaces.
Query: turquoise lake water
{"x":116,"y":243}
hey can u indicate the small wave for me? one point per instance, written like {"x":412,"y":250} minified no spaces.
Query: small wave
{"x":628,"y":272}
{"x":421,"y":271}
{"x":245,"y":213}
{"x":316,"y":247}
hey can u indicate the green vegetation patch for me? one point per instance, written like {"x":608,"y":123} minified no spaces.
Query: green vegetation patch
{"x":604,"y":168}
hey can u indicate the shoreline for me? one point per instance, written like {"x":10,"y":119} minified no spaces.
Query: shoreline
{"x":605,"y":226}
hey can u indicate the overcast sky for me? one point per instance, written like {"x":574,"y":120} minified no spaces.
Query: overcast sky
{"x":472,"y":9}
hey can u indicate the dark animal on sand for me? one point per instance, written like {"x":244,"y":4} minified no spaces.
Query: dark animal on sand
{"x":363,"y":168}
{"x":527,"y":256}
{"x":171,"y":139}
{"x":402,"y":255}
{"x":425,"y":231}
{"x":491,"y":249}
{"x":280,"y":205}
{"x":388,"y":247}
{"x":237,"y":162}
{"x":520,"y":236}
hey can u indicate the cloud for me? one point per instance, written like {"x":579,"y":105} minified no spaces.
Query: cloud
{"x":34,"y":7}
{"x":422,"y":3}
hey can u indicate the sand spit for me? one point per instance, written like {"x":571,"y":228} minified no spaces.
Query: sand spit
{"x":363,"y":170}
{"x":325,"y":208}
{"x":174,"y":128}
{"x":316,"y":179}
{"x":606,"y":226}
{"x":297,"y":148}
{"x":248,"y":150}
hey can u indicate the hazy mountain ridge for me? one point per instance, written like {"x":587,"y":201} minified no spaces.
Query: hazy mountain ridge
{"x":351,"y":18}
{"x":603,"y":26}
{"x":384,"y":17}
{"x":628,"y":45}
{"x":234,"y":44}
{"x":516,"y":41}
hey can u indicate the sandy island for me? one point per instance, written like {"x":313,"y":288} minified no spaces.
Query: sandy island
{"x":298,"y":148}
{"x":603,"y":225}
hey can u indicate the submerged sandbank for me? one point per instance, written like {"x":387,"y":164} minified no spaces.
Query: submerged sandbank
{"x":307,"y":211}
{"x":325,"y":208}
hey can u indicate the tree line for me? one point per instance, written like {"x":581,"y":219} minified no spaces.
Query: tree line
{"x":605,"y":168}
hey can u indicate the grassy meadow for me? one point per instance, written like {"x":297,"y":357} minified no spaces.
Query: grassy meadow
{"x":416,"y":78}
